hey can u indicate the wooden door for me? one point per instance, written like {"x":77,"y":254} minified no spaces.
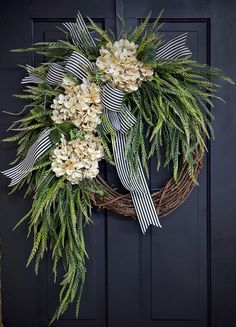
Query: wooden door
{"x":182,"y":275}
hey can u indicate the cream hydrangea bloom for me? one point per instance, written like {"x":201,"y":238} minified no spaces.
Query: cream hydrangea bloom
{"x":119,"y":65}
{"x":80,"y":104}
{"x":77,"y":159}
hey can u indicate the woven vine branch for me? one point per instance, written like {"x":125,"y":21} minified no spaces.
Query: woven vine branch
{"x":166,"y":200}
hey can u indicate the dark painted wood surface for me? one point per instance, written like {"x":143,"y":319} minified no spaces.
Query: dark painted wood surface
{"x":180,"y":276}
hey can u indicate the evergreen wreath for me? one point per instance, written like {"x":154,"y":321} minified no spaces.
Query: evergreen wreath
{"x":98,"y":97}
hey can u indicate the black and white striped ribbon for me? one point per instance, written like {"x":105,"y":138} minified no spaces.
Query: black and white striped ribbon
{"x":140,"y":194}
{"x":20,"y":171}
{"x":128,"y":180}
{"x":78,"y":65}
{"x":113,"y":120}
{"x":112,"y":97}
{"x":121,"y":122}
{"x":144,"y":206}
{"x":79,"y":33}
{"x":117,"y":114}
{"x":55,"y":74}
{"x":127,"y":119}
{"x":31,"y":78}
{"x":174,"y":49}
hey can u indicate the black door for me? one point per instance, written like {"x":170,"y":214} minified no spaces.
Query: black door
{"x":182,"y":275}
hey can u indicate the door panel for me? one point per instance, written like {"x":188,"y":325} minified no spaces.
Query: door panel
{"x":42,"y":295}
{"x":179,"y":276}
{"x":165,"y":271}
{"x":92,"y":311}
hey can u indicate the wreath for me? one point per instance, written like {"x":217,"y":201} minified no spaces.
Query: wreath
{"x":121,"y":100}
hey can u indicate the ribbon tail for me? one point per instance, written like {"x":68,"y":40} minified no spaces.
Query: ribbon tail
{"x":20,"y":171}
{"x":128,"y":180}
{"x":31,"y":78}
{"x":144,"y":206}
{"x":121,"y":120}
{"x":138,"y":187}
{"x":174,"y":49}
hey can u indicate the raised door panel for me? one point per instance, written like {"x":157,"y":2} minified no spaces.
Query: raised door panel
{"x":38,"y":23}
{"x":93,"y":304}
{"x":160,"y":279}
{"x":178,"y":252}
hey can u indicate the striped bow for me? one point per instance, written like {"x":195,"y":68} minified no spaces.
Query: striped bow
{"x":116,"y":112}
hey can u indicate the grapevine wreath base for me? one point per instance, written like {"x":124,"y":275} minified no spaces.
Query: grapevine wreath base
{"x":166,"y":200}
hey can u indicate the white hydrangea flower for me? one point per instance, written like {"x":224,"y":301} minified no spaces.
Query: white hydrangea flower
{"x":80,"y":104}
{"x":120,"y":66}
{"x":77,"y":159}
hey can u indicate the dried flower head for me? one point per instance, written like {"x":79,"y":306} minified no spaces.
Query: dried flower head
{"x":119,"y":65}
{"x":77,"y":159}
{"x":80,"y":104}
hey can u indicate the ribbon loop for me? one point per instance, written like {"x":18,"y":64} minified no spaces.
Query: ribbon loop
{"x":79,"y":32}
{"x":55,"y":74}
{"x":78,"y":65}
{"x":112,"y":97}
{"x":113,"y":119}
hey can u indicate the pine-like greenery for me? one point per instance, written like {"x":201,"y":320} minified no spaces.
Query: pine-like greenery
{"x":56,"y":220}
{"x":175,"y":109}
{"x":173,"y":114}
{"x":59,"y":210}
